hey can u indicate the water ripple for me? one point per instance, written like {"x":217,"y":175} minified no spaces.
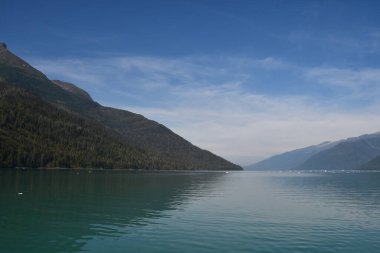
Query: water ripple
{"x":190,"y":212}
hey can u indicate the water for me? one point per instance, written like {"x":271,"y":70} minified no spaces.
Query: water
{"x":67,"y":211}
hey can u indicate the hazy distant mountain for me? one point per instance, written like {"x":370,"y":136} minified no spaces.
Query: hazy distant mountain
{"x":290,"y":160}
{"x":153,"y":145}
{"x":349,"y":154}
{"x":352,"y":153}
{"x":374,"y":164}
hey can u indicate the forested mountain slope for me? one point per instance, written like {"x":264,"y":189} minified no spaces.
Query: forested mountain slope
{"x":133,"y":130}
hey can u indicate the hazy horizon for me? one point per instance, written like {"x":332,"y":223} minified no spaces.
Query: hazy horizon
{"x":243,"y":79}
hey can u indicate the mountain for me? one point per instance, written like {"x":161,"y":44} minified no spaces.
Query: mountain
{"x":34,"y":133}
{"x":349,"y":154}
{"x":129,"y":137}
{"x":374,"y":164}
{"x":290,"y":160}
{"x":73,"y":89}
{"x":352,"y":153}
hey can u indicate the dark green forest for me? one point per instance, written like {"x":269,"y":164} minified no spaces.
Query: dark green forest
{"x":35,"y":134}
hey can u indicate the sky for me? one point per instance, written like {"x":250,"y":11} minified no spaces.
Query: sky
{"x":244,"y":79}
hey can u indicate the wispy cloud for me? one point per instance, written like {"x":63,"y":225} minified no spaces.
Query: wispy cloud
{"x":348,"y":78}
{"x":246,"y":127}
{"x":240,"y":108}
{"x":349,"y":86}
{"x":364,"y":42}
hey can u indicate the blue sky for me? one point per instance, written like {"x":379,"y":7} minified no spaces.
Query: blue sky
{"x":244,"y":79}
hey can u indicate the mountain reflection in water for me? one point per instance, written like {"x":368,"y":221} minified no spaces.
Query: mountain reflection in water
{"x":204,"y":212}
{"x":63,"y":209}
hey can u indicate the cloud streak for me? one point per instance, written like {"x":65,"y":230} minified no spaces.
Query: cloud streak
{"x":365,"y":42}
{"x":345,"y":77}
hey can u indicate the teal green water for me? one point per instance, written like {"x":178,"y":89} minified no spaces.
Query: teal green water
{"x":67,"y":211}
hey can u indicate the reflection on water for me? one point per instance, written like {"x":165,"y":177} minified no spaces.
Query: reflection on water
{"x":69,"y":211}
{"x":61,"y":210}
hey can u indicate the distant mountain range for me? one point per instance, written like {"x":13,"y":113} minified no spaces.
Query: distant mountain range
{"x":361,"y":152}
{"x":50,"y":123}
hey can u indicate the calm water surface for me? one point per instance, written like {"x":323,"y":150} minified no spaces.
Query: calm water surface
{"x":67,"y":211}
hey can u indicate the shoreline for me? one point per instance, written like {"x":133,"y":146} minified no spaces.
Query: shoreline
{"x":90,"y":170}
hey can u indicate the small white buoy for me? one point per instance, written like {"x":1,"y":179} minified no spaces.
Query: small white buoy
{"x":20,"y":193}
{"x":227,"y":172}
